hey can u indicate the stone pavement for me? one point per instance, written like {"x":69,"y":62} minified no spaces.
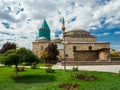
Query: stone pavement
{"x":103,"y":68}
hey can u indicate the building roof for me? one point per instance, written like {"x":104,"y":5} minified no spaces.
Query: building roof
{"x":45,"y":25}
{"x":80,"y":31}
{"x":57,"y":40}
{"x":44,"y":31}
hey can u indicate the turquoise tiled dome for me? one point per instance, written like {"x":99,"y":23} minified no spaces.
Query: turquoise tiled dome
{"x":44,"y":31}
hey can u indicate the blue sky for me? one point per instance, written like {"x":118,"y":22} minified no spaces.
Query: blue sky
{"x":21,"y":19}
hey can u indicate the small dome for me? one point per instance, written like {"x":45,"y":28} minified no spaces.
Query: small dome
{"x":42,"y":38}
{"x":57,"y":39}
{"x":78,"y":31}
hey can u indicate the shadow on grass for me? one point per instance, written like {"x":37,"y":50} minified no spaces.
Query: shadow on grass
{"x":34,"y":79}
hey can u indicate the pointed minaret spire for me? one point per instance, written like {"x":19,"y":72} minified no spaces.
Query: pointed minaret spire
{"x":63,"y":24}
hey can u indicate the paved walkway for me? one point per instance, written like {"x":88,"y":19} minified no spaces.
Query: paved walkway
{"x":103,"y":68}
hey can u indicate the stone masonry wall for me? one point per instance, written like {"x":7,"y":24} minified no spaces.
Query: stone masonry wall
{"x":85,"y":56}
{"x":38,"y":47}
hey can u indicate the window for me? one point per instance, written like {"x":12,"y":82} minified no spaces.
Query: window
{"x":42,"y":48}
{"x":74,"y":48}
{"x":90,"y":48}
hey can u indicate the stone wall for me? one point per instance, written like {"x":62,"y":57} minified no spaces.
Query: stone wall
{"x":115,"y":58}
{"x":84,"y":46}
{"x":85,"y":56}
{"x":38,"y":47}
{"x":104,"y":55}
{"x":82,"y":39}
{"x":78,"y":63}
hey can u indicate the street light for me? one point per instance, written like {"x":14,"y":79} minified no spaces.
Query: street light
{"x":63,"y":29}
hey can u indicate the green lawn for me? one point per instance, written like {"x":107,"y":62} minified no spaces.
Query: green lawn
{"x":38,"y":79}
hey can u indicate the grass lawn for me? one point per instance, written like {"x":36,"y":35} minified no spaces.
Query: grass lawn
{"x":38,"y":79}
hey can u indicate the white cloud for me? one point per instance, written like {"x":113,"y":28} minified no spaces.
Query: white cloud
{"x":117,"y":47}
{"x":117,"y":32}
{"x":87,"y":13}
{"x":104,"y":34}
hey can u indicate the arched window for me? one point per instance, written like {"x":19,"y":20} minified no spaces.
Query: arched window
{"x":42,"y":48}
{"x":74,"y":48}
{"x":90,"y":48}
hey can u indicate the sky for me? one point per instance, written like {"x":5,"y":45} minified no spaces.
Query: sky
{"x":21,"y":19}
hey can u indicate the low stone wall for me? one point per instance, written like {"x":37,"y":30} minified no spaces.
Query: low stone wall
{"x":51,"y":61}
{"x":86,"y":55}
{"x":78,"y":63}
{"x":67,"y":59}
{"x":115,"y":58}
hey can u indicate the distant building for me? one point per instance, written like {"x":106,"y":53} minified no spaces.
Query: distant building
{"x":80,"y":45}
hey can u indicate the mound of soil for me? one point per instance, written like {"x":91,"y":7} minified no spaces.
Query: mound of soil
{"x":69,"y":86}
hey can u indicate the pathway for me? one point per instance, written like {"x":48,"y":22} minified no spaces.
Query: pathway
{"x":103,"y":68}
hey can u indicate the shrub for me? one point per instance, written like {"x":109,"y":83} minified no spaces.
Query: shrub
{"x":119,"y":73}
{"x":26,"y":64}
{"x":75,"y":68}
{"x":115,"y":54}
{"x":49,"y":68}
{"x":20,"y":69}
{"x":33,"y":66}
{"x":83,"y":75}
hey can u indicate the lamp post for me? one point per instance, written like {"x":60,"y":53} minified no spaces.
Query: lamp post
{"x":63,"y":29}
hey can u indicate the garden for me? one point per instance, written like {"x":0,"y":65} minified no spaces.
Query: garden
{"x":15,"y":75}
{"x":39,"y":79}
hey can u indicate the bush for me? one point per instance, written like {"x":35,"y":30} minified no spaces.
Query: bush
{"x":26,"y":64}
{"x":49,"y":69}
{"x":75,"y":68}
{"x":20,"y":69}
{"x":33,"y":66}
{"x":83,"y":75}
{"x":115,"y":54}
{"x":119,"y":73}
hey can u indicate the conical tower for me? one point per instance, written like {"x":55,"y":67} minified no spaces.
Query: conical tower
{"x":44,"y":31}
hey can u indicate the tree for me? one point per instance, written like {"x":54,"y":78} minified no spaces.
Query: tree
{"x":50,"y":54}
{"x":15,"y":57}
{"x":52,"y":50}
{"x":7,"y":46}
{"x":115,"y":54}
{"x":44,"y":56}
{"x":10,"y":57}
{"x":27,"y":55}
{"x":4,"y":57}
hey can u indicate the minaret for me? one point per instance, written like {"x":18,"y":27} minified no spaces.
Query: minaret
{"x":63,"y":27}
{"x":44,"y":31}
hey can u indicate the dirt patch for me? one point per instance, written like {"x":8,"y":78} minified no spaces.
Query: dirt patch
{"x":69,"y":86}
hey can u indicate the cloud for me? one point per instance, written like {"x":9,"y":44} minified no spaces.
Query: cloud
{"x":117,"y":32}
{"x":7,"y":25}
{"x":104,"y":34}
{"x":26,"y":17}
{"x":117,"y":47}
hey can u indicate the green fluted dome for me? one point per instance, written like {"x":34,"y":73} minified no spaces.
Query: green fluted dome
{"x":45,"y":25}
{"x":44,"y":31}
